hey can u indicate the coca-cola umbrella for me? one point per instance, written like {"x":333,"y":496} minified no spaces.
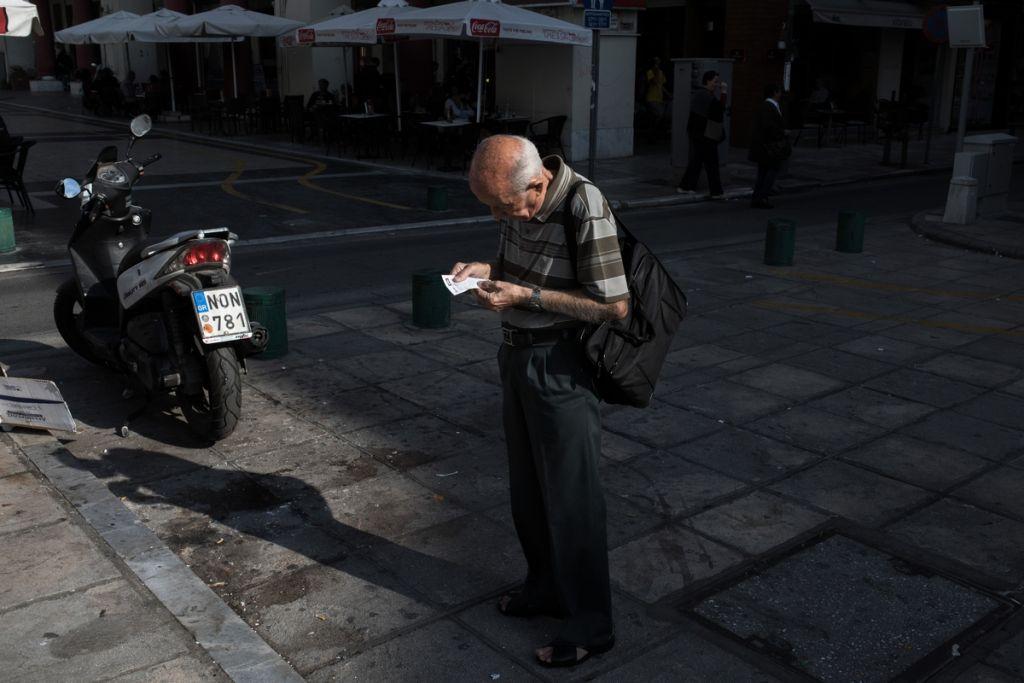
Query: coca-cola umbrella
{"x":228,"y":21}
{"x":98,"y":31}
{"x":489,"y":19}
{"x":367,"y":27}
{"x":19,"y":18}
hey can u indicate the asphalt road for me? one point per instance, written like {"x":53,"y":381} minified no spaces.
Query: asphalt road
{"x":329,"y":273}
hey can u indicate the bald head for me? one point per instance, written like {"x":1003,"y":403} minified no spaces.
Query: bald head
{"x":507,"y":174}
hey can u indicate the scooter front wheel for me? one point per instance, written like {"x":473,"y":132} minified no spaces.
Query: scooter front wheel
{"x":69,"y":324}
{"x":213,"y":413}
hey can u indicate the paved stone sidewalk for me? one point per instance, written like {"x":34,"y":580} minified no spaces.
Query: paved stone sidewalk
{"x":826,"y":485}
{"x":70,"y":608}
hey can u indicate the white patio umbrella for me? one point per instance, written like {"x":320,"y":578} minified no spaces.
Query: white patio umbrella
{"x":229,"y":21}
{"x":489,"y":19}
{"x":19,"y":19}
{"x":97,"y":30}
{"x":367,"y":27}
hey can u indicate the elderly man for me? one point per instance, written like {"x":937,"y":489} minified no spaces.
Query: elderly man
{"x":552,"y":422}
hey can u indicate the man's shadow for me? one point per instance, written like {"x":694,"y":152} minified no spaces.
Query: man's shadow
{"x":223,"y":494}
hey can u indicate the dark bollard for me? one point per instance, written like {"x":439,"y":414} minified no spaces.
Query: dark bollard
{"x":437,"y":198}
{"x":431,"y":300}
{"x":779,"y":242}
{"x":850,"y":232}
{"x":265,"y":305}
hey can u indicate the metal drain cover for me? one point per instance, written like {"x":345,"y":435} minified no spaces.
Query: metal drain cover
{"x":843,"y":611}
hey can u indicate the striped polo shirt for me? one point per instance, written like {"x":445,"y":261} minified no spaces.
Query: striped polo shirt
{"x":533,"y":253}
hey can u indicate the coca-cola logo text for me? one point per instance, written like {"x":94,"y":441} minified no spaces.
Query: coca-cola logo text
{"x":385,"y":25}
{"x":307,"y":35}
{"x":484,"y":28}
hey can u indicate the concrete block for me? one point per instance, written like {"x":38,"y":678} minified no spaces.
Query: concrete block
{"x":962,"y":201}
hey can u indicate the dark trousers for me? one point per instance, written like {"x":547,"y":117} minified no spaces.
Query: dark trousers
{"x":703,"y":154}
{"x":553,"y":435}
{"x":766,"y":175}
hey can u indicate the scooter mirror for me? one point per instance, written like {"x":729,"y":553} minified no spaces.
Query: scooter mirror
{"x":141,"y":125}
{"x":69,"y":188}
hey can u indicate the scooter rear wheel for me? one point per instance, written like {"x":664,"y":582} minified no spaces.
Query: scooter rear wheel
{"x":214,"y":412}
{"x":69,"y":322}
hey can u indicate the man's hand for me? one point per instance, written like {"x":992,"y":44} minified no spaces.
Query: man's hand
{"x":498,"y":295}
{"x":460,"y":271}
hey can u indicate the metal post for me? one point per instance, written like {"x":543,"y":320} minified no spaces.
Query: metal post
{"x":199,"y":72}
{"x":479,"y":80}
{"x":170,"y":73}
{"x":965,"y":97}
{"x":933,"y":109}
{"x":398,"y":91}
{"x":595,"y":71}
{"x":234,"y":72}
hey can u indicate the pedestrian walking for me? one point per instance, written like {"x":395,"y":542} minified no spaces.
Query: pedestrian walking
{"x":769,"y":146}
{"x":706,"y":130}
{"x":550,"y":410}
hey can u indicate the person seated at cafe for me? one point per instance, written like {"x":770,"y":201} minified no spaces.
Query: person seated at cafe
{"x":456,"y":108}
{"x":322,"y":96}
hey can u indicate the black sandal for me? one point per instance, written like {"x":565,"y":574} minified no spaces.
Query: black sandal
{"x":564,"y":653}
{"x":519,"y":605}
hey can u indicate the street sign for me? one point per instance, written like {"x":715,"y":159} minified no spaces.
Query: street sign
{"x":966,"y":26}
{"x":601,"y":5}
{"x":936,"y":26}
{"x":596,"y":18}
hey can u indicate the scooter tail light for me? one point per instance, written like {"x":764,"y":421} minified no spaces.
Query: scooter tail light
{"x":199,"y":254}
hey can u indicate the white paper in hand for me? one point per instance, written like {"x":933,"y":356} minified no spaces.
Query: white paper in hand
{"x":457,"y":288}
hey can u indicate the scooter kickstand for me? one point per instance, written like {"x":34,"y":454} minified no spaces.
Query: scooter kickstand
{"x":123,"y":430}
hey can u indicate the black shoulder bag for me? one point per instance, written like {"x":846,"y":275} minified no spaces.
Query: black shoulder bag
{"x":626,"y":355}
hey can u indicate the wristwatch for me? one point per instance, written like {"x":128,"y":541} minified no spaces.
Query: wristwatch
{"x":535,"y":304}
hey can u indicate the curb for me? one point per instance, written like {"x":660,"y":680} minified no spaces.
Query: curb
{"x":939,"y":232}
{"x":217,"y":629}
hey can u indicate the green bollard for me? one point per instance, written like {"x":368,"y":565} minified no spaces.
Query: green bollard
{"x":431,"y":300}
{"x":437,"y":198}
{"x":779,"y":242}
{"x":6,"y":231}
{"x":265,"y":305}
{"x":850,"y":232}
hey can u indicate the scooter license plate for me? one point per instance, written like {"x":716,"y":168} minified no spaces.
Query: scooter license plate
{"x":221,"y":315}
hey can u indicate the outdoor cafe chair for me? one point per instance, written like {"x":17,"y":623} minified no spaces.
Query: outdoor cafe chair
{"x":235,"y":114}
{"x":269,"y":115}
{"x":547,"y":134}
{"x":295,"y":117}
{"x":12,"y":172}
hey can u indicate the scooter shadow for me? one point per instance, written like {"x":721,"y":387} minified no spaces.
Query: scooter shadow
{"x":235,"y":498}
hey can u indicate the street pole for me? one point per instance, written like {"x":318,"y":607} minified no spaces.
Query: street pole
{"x":965,"y":96}
{"x":595,"y":70}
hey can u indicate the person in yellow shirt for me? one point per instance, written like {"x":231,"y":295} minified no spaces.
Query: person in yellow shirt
{"x":654,"y":95}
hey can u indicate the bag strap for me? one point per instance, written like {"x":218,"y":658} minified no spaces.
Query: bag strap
{"x":571,"y":225}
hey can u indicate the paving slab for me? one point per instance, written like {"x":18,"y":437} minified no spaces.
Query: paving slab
{"x":9,"y":462}
{"x":307,"y":327}
{"x":461,"y":559}
{"x":1003,"y":347}
{"x":466,"y":400}
{"x":381,"y":366}
{"x":349,"y":411}
{"x":263,"y":426}
{"x":990,"y":543}
{"x":322,"y":463}
{"x":971,"y":370}
{"x":322,"y":613}
{"x":920,"y":463}
{"x":475,"y":481}
{"x":667,"y":484}
{"x":26,"y":502}
{"x":850,"y":492}
{"x":667,"y":561}
{"x":887,"y":349}
{"x":660,"y":425}
{"x":518,"y":638}
{"x":687,"y":657}
{"x":756,"y":523}
{"x":309,"y":384}
{"x":415,"y":440}
{"x":1017,"y":388}
{"x":873,"y":407}
{"x":967,"y":433}
{"x":45,"y":561}
{"x":815,"y":430}
{"x":788,"y":381}
{"x":179,"y":670}
{"x":700,"y":356}
{"x":744,"y":455}
{"x":841,"y":611}
{"x":363,"y":317}
{"x":981,"y":673}
{"x":924,"y":387}
{"x":998,"y":490}
{"x":727,"y":400}
{"x":1010,"y":656}
{"x":443,"y":650}
{"x":996,"y":407}
{"x":96,"y":633}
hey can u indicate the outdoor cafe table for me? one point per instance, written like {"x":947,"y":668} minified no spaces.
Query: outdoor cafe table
{"x":442,"y":128}
{"x":366,"y":129}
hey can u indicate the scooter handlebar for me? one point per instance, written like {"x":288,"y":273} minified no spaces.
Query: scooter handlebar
{"x":146,"y":162}
{"x":96,"y":205}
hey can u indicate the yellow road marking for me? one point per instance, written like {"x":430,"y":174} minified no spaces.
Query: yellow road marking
{"x":228,"y":187}
{"x":846,"y":313}
{"x":892,"y":287}
{"x":318,"y":167}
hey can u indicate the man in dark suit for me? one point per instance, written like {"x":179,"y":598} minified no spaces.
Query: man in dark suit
{"x":705,"y":129}
{"x":768,"y":145}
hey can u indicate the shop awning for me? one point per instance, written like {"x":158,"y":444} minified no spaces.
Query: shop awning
{"x":873,"y":13}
